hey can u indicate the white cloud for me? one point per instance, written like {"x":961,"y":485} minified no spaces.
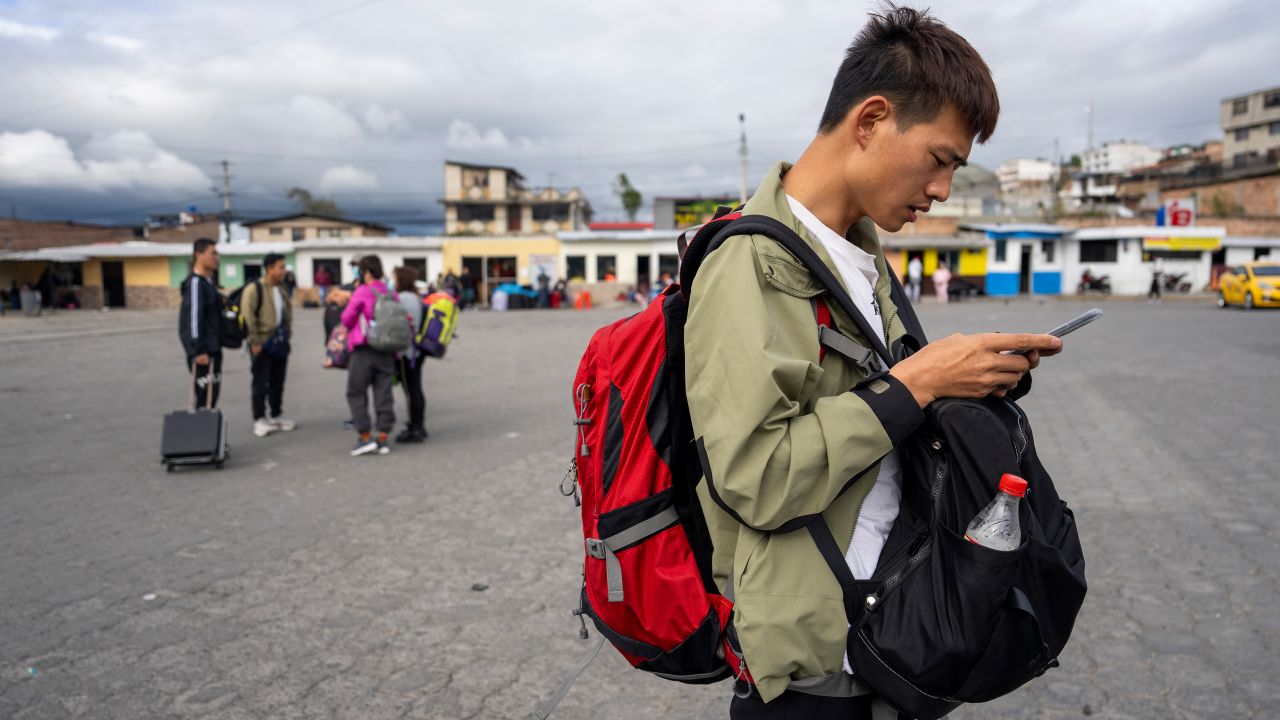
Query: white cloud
{"x":465,"y":136}
{"x":110,"y":162}
{"x":115,"y":42}
{"x":382,"y":121}
{"x":19,"y":31}
{"x":345,"y":178}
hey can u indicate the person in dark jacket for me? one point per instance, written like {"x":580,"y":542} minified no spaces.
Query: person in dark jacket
{"x":198,"y":320}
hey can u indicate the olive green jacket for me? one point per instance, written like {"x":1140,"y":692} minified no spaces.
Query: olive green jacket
{"x":784,"y":436}
{"x":262,"y":324}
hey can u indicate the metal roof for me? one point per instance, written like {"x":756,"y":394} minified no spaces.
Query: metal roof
{"x":618,"y":235}
{"x":941,"y":242}
{"x":1000,"y":231}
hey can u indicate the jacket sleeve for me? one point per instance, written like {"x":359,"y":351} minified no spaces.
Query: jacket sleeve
{"x":250,"y":304}
{"x":751,"y":355}
{"x":189,"y":315}
{"x":351,"y":313}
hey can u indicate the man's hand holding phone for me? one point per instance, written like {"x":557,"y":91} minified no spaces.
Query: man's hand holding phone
{"x":973,"y":366}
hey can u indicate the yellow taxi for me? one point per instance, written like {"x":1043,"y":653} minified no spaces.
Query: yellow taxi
{"x":1255,"y":284}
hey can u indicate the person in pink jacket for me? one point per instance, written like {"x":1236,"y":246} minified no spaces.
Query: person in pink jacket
{"x":368,"y":368}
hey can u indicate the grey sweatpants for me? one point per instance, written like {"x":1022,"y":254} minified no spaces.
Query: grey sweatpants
{"x":370,"y":368}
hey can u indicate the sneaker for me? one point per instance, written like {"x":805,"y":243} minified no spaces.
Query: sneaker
{"x":364,"y":447}
{"x":263,"y":427}
{"x":283,"y":425}
{"x":411,"y":435}
{"x":383,"y":447}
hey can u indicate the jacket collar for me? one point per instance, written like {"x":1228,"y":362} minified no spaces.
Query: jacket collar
{"x":770,"y":199}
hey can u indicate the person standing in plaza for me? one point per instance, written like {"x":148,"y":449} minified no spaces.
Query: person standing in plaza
{"x":1157,"y":270}
{"x":269,"y":317}
{"x":368,"y":369}
{"x":323,"y":281}
{"x":915,"y":278}
{"x":198,"y":319}
{"x":942,"y":282}
{"x":786,"y":434}
{"x":409,"y":364}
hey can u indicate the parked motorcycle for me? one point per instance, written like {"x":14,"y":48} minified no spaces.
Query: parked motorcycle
{"x":1094,"y":283}
{"x":1175,"y":283}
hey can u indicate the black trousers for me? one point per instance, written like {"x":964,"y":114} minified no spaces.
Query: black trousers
{"x":268,"y":384}
{"x":411,"y":377}
{"x":792,"y":705}
{"x":202,"y":379}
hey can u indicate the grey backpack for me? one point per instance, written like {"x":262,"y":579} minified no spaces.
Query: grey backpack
{"x":389,"y":331}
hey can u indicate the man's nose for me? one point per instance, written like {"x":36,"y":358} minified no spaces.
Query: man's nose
{"x":939,"y":190}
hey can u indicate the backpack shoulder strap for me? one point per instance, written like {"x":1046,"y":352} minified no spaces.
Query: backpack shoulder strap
{"x":787,"y":238}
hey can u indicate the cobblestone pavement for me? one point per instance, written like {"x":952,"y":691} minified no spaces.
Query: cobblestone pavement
{"x":436,"y":582}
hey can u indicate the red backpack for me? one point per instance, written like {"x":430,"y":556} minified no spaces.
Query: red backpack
{"x":647,"y":582}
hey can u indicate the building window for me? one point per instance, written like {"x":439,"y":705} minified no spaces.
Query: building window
{"x":1240,"y":107}
{"x":331,"y":232}
{"x":1098,"y":251}
{"x":606,"y":267}
{"x":1242,"y":134}
{"x":576,"y":267}
{"x":468,"y":213}
{"x":1244,"y":158}
{"x":1274,"y":128}
{"x":555,"y":212}
{"x":419,"y":265}
{"x":1001,"y":250}
{"x":299,"y":234}
{"x":1047,"y":247}
{"x":275,"y":231}
{"x":1271,"y":99}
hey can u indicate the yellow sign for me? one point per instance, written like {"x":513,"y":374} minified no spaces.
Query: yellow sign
{"x":1181,"y":243}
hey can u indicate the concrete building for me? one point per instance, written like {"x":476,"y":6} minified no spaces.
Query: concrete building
{"x":1022,"y":258}
{"x":1097,"y":185}
{"x":423,"y":254}
{"x":493,"y":200}
{"x":306,"y":226}
{"x":497,"y":259}
{"x":1127,"y":255}
{"x":975,"y":192}
{"x":1027,"y":186}
{"x":1251,"y":128}
{"x":679,"y":213}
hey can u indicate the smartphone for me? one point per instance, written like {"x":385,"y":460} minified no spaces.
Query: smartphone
{"x":1070,"y":326}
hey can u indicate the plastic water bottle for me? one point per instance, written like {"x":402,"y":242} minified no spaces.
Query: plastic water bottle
{"x":996,"y":527}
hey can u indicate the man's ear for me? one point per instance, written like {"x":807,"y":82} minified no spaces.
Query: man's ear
{"x":868,"y":118}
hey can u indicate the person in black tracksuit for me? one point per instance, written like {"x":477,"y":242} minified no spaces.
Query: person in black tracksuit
{"x":198,"y":320}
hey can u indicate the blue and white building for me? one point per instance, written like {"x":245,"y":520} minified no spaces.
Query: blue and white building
{"x":1022,"y":257}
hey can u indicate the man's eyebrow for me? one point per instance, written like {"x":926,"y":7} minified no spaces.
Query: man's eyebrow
{"x":956,"y":157}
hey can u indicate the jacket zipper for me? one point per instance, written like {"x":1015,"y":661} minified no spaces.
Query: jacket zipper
{"x":872,"y":601}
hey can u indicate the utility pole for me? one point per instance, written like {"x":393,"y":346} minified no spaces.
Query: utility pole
{"x":226,"y":199}
{"x":742,"y":151}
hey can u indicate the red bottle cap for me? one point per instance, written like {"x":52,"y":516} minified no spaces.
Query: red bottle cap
{"x":1013,"y":485}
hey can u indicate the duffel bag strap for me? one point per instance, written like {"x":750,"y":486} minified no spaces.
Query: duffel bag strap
{"x":606,"y":549}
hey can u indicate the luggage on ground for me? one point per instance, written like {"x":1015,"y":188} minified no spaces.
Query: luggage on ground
{"x":195,"y":437}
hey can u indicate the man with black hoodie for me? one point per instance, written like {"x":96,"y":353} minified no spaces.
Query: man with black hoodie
{"x":198,"y":320}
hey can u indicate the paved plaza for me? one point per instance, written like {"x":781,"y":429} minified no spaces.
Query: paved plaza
{"x":436,"y":582}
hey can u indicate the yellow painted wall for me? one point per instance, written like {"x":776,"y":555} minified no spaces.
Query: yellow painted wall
{"x":91,"y":272}
{"x":518,"y":247}
{"x":973,"y":262}
{"x":930,"y":261}
{"x":142,"y":272}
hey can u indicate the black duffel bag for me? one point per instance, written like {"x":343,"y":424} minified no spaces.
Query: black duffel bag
{"x":945,"y":621}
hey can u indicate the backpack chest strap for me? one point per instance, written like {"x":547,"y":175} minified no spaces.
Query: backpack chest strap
{"x":830,"y":338}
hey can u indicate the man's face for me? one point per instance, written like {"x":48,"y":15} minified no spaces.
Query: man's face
{"x":275,"y":273}
{"x":208,"y":260}
{"x":908,"y":171}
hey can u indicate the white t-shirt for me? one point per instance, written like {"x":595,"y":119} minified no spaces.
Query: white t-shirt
{"x":879,"y":510}
{"x":915,"y":269}
{"x":279,"y":298}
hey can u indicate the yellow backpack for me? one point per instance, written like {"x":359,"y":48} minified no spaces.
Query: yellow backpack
{"x":439,"y":320}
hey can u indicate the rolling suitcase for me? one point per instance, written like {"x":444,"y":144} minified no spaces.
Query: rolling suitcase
{"x":194,"y":437}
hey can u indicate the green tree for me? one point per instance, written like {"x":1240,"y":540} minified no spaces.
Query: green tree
{"x":630,"y":197}
{"x":312,"y":204}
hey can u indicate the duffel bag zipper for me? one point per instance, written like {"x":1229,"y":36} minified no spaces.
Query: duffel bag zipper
{"x":872,"y":601}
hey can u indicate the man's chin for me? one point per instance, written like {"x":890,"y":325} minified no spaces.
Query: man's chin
{"x":891,"y":224}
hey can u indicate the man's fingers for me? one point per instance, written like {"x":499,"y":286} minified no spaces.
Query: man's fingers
{"x":1000,"y":342}
{"x":1034,"y":358}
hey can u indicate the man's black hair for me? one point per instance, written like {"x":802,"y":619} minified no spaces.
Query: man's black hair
{"x":271,"y":259}
{"x":200,"y":246}
{"x":371,"y":264}
{"x":920,"y":65}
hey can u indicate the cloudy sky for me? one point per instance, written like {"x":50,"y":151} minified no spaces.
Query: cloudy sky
{"x":112,"y":110}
